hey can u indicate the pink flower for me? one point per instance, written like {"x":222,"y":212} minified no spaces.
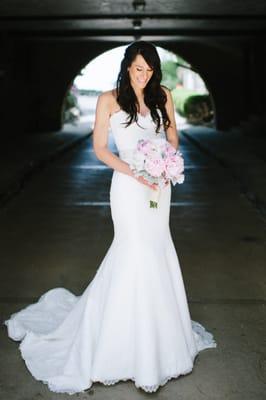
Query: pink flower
{"x":174,"y":165}
{"x":155,"y":166}
{"x":144,"y":146}
{"x":170,"y":150}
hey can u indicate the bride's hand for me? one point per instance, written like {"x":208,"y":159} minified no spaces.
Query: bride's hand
{"x":145,"y":182}
{"x":167,"y":183}
{"x":142,"y":180}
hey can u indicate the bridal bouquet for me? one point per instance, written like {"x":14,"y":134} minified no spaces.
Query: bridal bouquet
{"x":158,"y":162}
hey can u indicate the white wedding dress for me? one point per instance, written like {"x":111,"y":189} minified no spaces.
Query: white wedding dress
{"x":132,"y":322}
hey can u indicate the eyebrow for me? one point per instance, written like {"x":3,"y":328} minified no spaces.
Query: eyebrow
{"x":140,"y":66}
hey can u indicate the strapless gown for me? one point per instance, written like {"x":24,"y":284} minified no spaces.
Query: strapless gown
{"x":132,"y":322}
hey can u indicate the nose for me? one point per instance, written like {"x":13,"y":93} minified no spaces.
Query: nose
{"x":144,"y":75}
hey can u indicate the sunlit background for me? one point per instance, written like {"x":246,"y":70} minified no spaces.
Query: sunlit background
{"x":192,"y":101}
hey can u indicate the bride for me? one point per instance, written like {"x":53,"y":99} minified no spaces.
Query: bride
{"x":132,"y":322}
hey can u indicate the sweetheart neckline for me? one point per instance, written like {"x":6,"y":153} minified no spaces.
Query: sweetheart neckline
{"x":117,"y":112}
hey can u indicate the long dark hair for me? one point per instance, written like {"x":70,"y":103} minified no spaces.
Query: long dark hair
{"x":154,"y":96}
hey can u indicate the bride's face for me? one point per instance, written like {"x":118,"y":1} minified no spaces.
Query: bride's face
{"x":139,"y":72}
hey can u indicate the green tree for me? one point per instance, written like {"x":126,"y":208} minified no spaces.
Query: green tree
{"x":169,"y":72}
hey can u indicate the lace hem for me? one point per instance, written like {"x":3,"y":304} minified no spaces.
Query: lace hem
{"x":146,"y":388}
{"x":110,"y":382}
{"x":204,"y":340}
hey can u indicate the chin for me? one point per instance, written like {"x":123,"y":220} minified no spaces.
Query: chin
{"x":142,"y":85}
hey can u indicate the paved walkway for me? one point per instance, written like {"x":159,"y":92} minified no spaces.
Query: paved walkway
{"x":20,"y":158}
{"x":243,"y":156}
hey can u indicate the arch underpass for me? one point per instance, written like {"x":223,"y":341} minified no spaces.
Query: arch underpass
{"x":44,"y":48}
{"x":55,"y":217}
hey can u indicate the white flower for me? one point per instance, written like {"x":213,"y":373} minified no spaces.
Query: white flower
{"x":138,"y":161}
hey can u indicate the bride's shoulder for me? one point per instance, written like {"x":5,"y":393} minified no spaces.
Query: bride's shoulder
{"x":104,"y":102}
{"x":169,"y":97}
{"x":108,"y":95}
{"x":104,"y":97}
{"x":108,"y":98}
{"x":107,"y":101}
{"x":165,"y":90}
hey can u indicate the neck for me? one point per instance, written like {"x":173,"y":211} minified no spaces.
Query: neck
{"x":138,"y":92}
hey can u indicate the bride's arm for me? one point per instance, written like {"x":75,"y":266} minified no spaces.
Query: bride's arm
{"x":100,"y":137}
{"x":171,"y":132}
{"x":100,"y":141}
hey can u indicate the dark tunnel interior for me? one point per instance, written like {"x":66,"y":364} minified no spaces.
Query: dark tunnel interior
{"x":58,"y":202}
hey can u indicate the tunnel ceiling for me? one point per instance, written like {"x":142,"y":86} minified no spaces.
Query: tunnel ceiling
{"x":124,"y":20}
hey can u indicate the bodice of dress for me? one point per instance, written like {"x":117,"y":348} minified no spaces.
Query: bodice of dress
{"x":126,"y":138}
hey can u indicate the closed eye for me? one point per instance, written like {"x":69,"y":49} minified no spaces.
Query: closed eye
{"x":149,"y":70}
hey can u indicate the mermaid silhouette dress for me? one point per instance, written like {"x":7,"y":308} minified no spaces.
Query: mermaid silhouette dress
{"x":132,"y":322}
